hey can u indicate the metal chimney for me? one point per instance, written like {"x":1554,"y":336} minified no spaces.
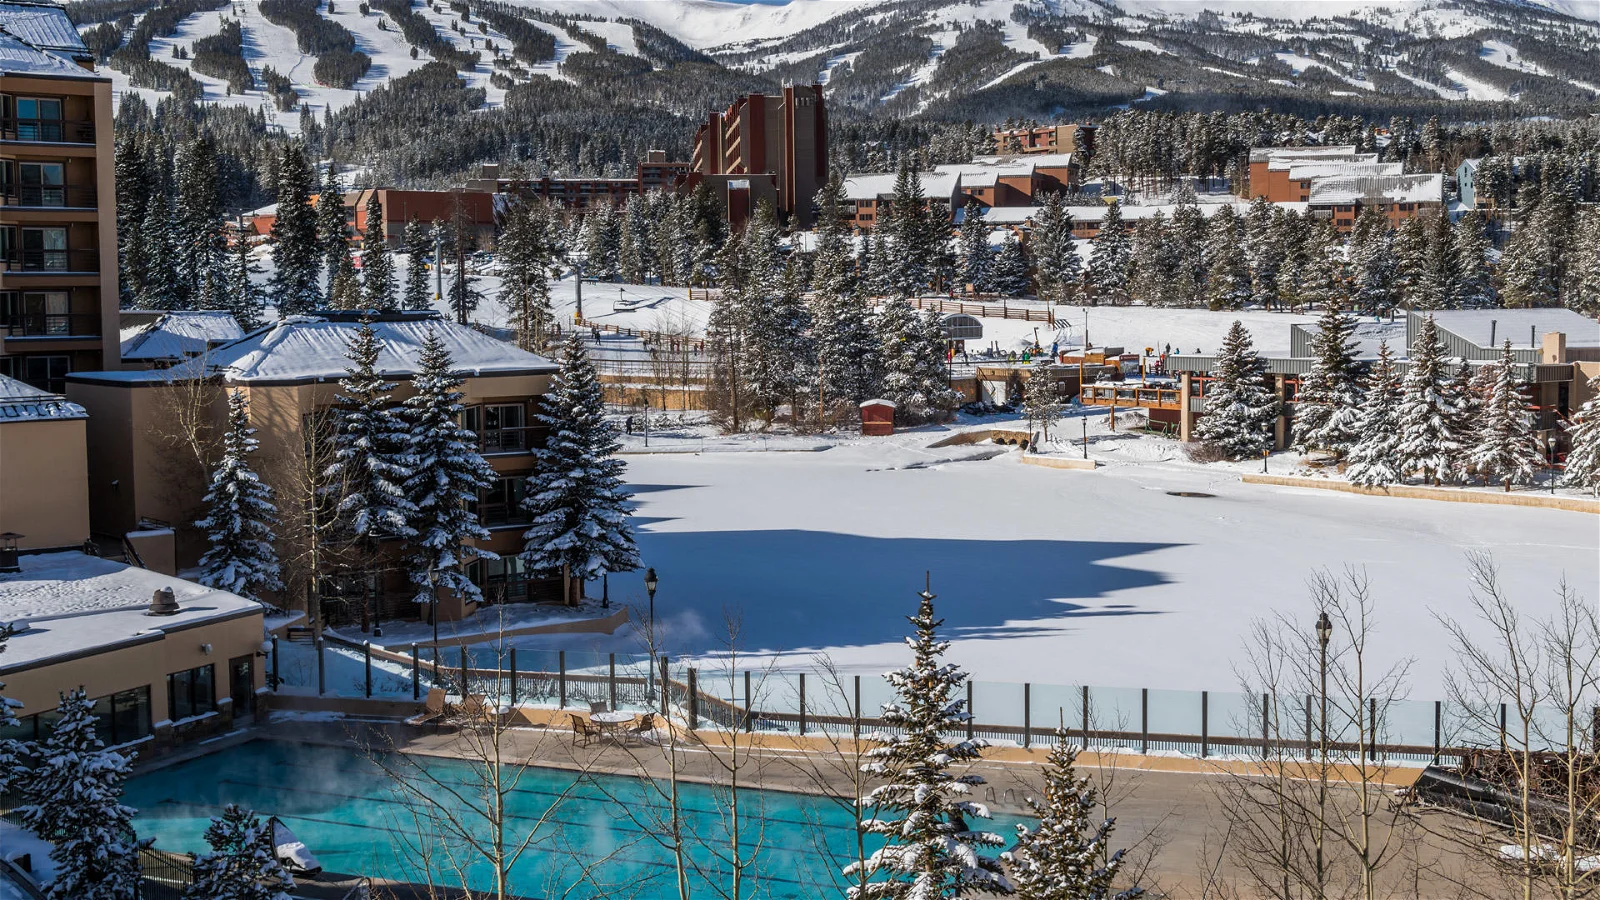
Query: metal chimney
{"x":164,"y":603}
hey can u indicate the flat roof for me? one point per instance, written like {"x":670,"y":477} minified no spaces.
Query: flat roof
{"x":76,"y":605}
{"x":1475,"y":325}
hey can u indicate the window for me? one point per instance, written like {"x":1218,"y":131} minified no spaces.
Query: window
{"x":502,"y":580}
{"x":121,"y":718}
{"x":192,"y":692}
{"x":502,"y":503}
{"x":38,"y":119}
{"x":44,"y":249}
{"x":47,"y":373}
{"x":38,"y":184}
{"x":501,"y":428}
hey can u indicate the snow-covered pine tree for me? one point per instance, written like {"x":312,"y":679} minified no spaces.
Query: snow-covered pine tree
{"x":1413,"y":281}
{"x":576,"y":499}
{"x":296,"y":252}
{"x":1040,"y":406}
{"x":1105,"y":278}
{"x":331,"y":236}
{"x":1583,"y":291}
{"x":1374,"y":459}
{"x":1151,"y":266}
{"x":976,"y":257}
{"x":463,"y":294}
{"x":9,"y":747}
{"x":1505,"y":449}
{"x":782,"y":355}
{"x":527,"y":252}
{"x":1009,"y":275}
{"x":240,"y":515}
{"x":377,"y":265}
{"x":1053,"y":251}
{"x":1328,"y":410}
{"x":913,"y":362}
{"x":1228,"y":271}
{"x":1372,"y":263}
{"x":1429,"y":441}
{"x":133,"y":175}
{"x":418,"y":247}
{"x":1582,"y":467}
{"x":727,"y":332}
{"x":162,"y":288}
{"x":1064,"y":856}
{"x":1186,"y":244}
{"x":344,"y":289}
{"x":243,"y":862}
{"x":72,"y":797}
{"x":602,"y":228}
{"x":243,"y":295}
{"x":198,"y":234}
{"x":445,"y":476}
{"x":372,"y":448}
{"x":915,"y":238}
{"x":1265,"y":249}
{"x":1532,"y":267}
{"x":846,"y":345}
{"x":1239,"y":408}
{"x":922,"y":809}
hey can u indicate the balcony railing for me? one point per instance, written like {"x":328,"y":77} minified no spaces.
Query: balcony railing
{"x":495,"y":515}
{"x":51,"y":325}
{"x":67,"y":196}
{"x":509,"y":440}
{"x":52,"y":131}
{"x":48,"y":261}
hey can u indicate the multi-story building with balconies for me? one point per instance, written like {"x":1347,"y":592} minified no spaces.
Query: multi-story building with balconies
{"x":58,"y":234}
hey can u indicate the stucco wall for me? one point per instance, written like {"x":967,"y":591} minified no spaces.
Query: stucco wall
{"x":44,"y":488}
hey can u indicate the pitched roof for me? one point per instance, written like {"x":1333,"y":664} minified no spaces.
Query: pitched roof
{"x":17,"y":57}
{"x":1378,"y":189}
{"x":21,"y":402}
{"x":1266,"y":154}
{"x":1321,"y":168}
{"x":178,"y":335}
{"x":43,"y":25}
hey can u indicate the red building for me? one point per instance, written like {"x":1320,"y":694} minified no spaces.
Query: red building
{"x":785,"y":136}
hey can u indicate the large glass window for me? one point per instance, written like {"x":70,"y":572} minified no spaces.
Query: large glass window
{"x":38,"y":119}
{"x":192,"y":692}
{"x":41,"y":184}
{"x":500,"y":427}
{"x":44,"y":248}
{"x":47,"y":373}
{"x":502,"y":503}
{"x":120,"y":718}
{"x":503,"y":580}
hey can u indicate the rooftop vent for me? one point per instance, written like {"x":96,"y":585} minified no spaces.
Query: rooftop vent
{"x":164,"y":603}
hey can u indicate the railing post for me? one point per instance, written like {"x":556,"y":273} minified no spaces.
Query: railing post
{"x":1205,"y":724}
{"x":749,"y":711}
{"x":1086,"y":717}
{"x":855,"y":727}
{"x":666,"y":686}
{"x":612,"y":680}
{"x":1503,"y":727}
{"x":416,"y":675}
{"x":802,"y":703}
{"x":276,"y":679}
{"x":1439,"y":727}
{"x":1266,"y":724}
{"x":1144,"y":720}
{"x":694,"y":701}
{"x":1372,"y":728}
{"x":366,"y":662}
{"x":322,"y":671}
{"x":969,"y":709}
{"x":1027,"y":715}
{"x":513,"y":679}
{"x":561,"y":677}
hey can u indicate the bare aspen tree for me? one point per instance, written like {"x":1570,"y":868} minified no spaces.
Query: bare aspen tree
{"x":308,"y":547}
{"x":1572,"y":652}
{"x":832,"y":769}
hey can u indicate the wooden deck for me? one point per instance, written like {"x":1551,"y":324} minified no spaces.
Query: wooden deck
{"x":1125,"y":396}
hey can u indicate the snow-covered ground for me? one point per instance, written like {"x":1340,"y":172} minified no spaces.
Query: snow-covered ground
{"x":1051,"y":576}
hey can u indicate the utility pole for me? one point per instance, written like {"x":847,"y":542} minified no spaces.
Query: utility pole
{"x":438,"y":265}
{"x":577,"y":283}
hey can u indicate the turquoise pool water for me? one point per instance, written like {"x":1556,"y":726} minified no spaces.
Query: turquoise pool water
{"x":350,"y":815}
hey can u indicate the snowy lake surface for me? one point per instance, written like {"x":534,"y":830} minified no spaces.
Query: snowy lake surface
{"x":1050,"y":576}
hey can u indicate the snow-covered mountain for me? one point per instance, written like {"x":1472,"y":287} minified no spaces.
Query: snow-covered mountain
{"x":980,"y":59}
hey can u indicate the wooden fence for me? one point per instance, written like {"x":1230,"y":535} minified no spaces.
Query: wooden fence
{"x":1003,"y":311}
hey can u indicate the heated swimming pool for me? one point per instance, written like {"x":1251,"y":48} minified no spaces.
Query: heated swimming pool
{"x":351,"y":816}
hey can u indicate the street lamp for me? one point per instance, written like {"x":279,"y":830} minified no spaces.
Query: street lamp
{"x":650,"y":582}
{"x":1324,"y":634}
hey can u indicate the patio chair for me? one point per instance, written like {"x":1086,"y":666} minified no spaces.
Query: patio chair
{"x":432,"y":708}
{"x":598,"y":706}
{"x":645,"y":727}
{"x":583,"y":734}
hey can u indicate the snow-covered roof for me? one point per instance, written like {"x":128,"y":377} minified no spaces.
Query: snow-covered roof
{"x":309,"y":348}
{"x":1267,"y":154}
{"x":1003,"y":215}
{"x":1377,"y":189}
{"x":1304,"y":171}
{"x":179,"y":335}
{"x":43,"y":25}
{"x":1476,"y":325}
{"x":1279,"y":163}
{"x":935,"y":185}
{"x":18,"y":57}
{"x":74,"y":603}
{"x":21,"y":402}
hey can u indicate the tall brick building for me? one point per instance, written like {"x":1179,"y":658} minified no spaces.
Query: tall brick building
{"x":785,"y":136}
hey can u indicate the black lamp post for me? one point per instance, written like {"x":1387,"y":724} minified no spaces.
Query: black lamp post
{"x":1324,"y":634}
{"x":650,"y":582}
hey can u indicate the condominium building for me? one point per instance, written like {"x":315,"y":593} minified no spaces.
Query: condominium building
{"x":58,"y":235}
{"x":785,"y":136}
{"x":1046,"y":139}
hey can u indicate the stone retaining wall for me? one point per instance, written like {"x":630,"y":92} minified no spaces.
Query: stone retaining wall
{"x":1425,"y":492}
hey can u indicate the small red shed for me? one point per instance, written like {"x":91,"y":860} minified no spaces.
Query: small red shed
{"x":877,"y":418}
